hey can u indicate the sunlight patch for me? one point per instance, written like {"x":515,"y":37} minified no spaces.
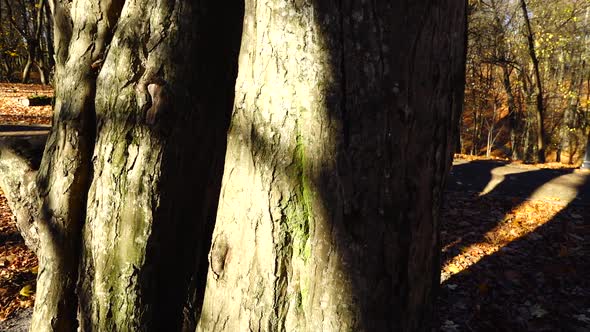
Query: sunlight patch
{"x":519,"y":222}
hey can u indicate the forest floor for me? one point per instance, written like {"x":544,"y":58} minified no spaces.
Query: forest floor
{"x":515,"y":243}
{"x":18,"y":265}
{"x":515,"y":248}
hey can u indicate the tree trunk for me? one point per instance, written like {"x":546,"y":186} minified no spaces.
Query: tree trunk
{"x":65,"y":171}
{"x":540,"y":110}
{"x":131,"y":172}
{"x":340,"y":140}
{"x":17,"y":181}
{"x":512,"y":114}
{"x":503,"y":63}
{"x":27,"y":69}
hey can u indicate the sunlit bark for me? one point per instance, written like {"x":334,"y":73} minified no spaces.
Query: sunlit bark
{"x":340,"y":140}
{"x":131,"y":172}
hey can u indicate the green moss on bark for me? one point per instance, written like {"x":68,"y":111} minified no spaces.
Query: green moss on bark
{"x":297,"y":207}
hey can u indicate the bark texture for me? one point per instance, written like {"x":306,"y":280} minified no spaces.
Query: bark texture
{"x":124,"y":199}
{"x":18,"y":182}
{"x":163,"y":100}
{"x":339,"y":143}
{"x":65,"y":171}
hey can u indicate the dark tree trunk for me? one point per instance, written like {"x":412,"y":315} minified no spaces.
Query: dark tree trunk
{"x":540,"y":110}
{"x":513,"y":118}
{"x":340,"y":141}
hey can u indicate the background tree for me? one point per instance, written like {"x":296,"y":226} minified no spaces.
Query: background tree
{"x":340,"y":139}
{"x":501,"y":38}
{"x":26,"y":39}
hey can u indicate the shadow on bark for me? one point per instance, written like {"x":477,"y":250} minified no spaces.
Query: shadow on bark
{"x":383,"y":194}
{"x":499,"y":292}
{"x":192,"y":169}
{"x":190,"y":177}
{"x":379,"y":186}
{"x":172,"y":281}
{"x":382,"y":144}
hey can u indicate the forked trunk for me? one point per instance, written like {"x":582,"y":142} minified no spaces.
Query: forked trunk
{"x":128,"y":185}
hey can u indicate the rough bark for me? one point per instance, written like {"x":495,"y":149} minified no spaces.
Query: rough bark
{"x":340,"y":140}
{"x":163,"y":101}
{"x":65,"y":171}
{"x":128,"y":185}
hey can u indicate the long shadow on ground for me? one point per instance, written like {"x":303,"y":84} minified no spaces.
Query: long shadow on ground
{"x":539,"y":282}
{"x":512,"y":185}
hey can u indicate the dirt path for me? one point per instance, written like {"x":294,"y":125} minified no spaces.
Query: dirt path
{"x":488,"y":177}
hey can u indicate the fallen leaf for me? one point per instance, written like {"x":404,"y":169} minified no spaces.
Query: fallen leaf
{"x":454,"y":269}
{"x":27,"y":291}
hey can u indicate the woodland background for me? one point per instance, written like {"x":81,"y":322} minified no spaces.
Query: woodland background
{"x":527,"y":82}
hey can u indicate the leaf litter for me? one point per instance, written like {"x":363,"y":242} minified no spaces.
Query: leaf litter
{"x":511,"y":264}
{"x":12,"y":111}
{"x":18,"y":265}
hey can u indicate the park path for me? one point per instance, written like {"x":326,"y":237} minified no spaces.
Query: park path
{"x":490,"y":177}
{"x":485,"y":177}
{"x":23,"y":130}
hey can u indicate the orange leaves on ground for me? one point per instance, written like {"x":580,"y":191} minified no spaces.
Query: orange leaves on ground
{"x":13,"y":112}
{"x":17,"y":266}
{"x":17,"y":263}
{"x":517,"y":222}
{"x":511,"y":264}
{"x":548,"y":165}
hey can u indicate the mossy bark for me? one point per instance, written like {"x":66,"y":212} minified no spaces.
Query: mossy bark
{"x":131,"y":172}
{"x":339,"y":144}
{"x":65,"y":170}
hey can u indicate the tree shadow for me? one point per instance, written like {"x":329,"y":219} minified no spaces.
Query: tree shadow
{"x":468,"y":225}
{"x":478,"y":172}
{"x":535,"y":283}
